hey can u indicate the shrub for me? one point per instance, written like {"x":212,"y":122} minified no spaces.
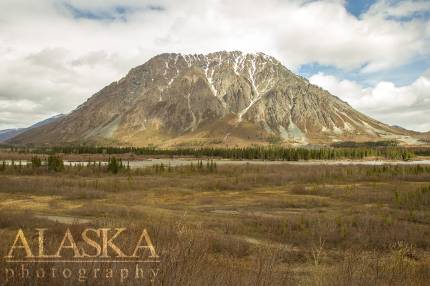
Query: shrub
{"x":413,"y":200}
{"x":114,"y":165}
{"x":36,"y":162}
{"x":55,"y":163}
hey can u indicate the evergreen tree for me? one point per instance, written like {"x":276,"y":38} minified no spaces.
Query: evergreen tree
{"x":55,"y":163}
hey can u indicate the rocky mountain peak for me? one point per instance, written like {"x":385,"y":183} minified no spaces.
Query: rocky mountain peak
{"x":227,"y":98}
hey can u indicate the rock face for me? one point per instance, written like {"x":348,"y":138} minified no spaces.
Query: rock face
{"x":223,"y":98}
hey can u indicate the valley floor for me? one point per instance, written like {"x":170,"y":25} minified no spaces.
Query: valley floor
{"x":242,"y":224}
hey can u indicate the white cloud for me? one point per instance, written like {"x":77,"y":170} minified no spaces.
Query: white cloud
{"x":54,"y":55}
{"x":399,"y":9}
{"x":407,"y":106}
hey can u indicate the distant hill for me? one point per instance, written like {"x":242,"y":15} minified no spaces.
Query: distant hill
{"x":10,"y":133}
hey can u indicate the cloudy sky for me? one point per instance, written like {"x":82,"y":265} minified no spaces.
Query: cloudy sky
{"x":375,"y":54}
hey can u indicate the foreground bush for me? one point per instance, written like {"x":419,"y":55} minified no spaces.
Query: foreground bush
{"x":55,"y":163}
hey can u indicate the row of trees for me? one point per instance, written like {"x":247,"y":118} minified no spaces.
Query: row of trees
{"x":352,"y":144}
{"x":113,"y":165}
{"x":200,"y":167}
{"x":249,"y":153}
{"x":54,"y":163}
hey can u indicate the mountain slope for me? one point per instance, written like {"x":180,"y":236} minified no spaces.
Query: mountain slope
{"x":11,"y":133}
{"x":7,"y":134}
{"x":228,"y":98}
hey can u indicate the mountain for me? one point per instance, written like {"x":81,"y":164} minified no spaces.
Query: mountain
{"x":47,"y":121}
{"x":223,"y":98}
{"x":425,"y":137}
{"x":11,"y":133}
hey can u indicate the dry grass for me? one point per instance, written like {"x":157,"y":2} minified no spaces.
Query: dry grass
{"x":245,"y":225}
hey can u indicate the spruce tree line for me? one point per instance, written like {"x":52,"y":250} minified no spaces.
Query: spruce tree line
{"x":246,"y":153}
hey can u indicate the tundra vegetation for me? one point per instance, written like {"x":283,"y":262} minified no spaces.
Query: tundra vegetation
{"x":237,"y":224}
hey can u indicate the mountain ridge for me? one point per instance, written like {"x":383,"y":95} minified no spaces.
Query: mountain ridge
{"x":8,"y":134}
{"x":222,"y":98}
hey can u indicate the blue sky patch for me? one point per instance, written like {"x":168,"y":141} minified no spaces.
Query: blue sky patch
{"x":358,"y":7}
{"x":113,"y":13}
{"x":420,"y":15}
{"x":400,"y":76}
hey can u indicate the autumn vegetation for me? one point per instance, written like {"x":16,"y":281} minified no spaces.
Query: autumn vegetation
{"x":238,"y":224}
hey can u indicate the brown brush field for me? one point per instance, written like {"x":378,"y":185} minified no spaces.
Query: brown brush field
{"x":239,"y":225}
